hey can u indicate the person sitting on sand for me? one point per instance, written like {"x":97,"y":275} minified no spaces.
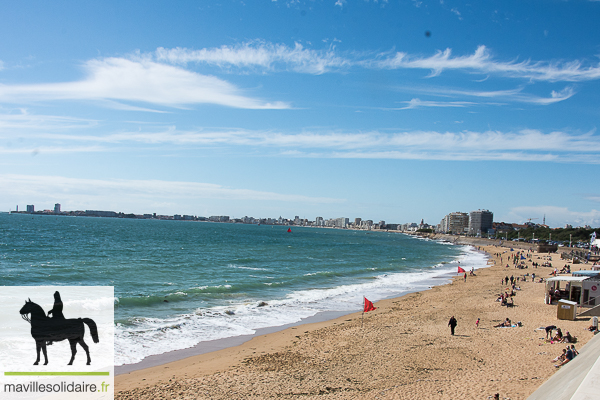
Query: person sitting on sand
{"x":561,"y":357}
{"x":568,"y":338}
{"x":559,"y":335}
{"x":568,"y":357}
{"x":575,"y":352}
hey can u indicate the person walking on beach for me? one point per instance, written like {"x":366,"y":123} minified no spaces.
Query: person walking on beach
{"x":452,"y":324}
{"x":465,"y":276}
{"x":477,"y":323}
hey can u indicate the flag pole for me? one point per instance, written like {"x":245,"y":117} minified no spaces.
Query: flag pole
{"x":362,"y":317}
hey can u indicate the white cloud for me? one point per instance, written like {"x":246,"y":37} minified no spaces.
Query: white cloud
{"x":139,"y":80}
{"x":564,"y":94}
{"x":553,"y":213}
{"x":37,"y":150}
{"x":524,"y":145}
{"x":269,"y":56}
{"x":417,"y":103}
{"x":512,"y":95}
{"x":259,"y":54}
{"x":22,"y":120}
{"x":138,"y":194}
{"x":482,"y":62}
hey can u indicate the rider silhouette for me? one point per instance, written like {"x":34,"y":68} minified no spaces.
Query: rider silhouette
{"x":57,"y":308}
{"x":56,"y":311}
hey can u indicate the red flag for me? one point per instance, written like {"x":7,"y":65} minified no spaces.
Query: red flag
{"x":368,"y":306}
{"x":460,"y":270}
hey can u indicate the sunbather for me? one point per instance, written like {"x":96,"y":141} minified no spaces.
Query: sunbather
{"x":561,"y":357}
{"x":568,"y":357}
{"x":568,"y":338}
{"x":559,"y":335}
{"x":505,"y":324}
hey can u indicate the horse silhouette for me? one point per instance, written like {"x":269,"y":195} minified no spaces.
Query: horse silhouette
{"x":46,"y":330}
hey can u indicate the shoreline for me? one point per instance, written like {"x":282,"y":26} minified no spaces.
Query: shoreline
{"x":210,"y":346}
{"x":401,"y":350}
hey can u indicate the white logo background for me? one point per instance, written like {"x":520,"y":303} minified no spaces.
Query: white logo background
{"x":18,"y":348}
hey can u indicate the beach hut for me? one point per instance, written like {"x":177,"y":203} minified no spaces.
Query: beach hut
{"x":566,"y":310}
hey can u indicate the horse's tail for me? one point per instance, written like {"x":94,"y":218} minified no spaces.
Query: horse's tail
{"x":93,"y":329}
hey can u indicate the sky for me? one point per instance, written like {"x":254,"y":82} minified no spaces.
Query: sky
{"x":395,"y":110}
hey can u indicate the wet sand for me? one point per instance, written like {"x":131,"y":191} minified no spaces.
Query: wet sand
{"x":402,"y":350}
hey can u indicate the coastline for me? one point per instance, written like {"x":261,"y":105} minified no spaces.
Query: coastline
{"x":401,"y":350}
{"x":225,"y":343}
{"x":227,"y":312}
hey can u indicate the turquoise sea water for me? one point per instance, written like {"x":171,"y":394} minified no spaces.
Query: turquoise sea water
{"x":179,"y":283}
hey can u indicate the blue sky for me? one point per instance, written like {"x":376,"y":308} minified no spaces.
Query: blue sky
{"x":384,"y":110}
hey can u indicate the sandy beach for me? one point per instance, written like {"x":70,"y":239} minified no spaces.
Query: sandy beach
{"x":402,"y":350}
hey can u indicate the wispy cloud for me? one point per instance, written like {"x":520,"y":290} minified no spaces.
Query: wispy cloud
{"x":259,"y":54}
{"x":564,"y":94}
{"x":523,"y":145}
{"x":512,"y":95}
{"x":553,"y":213}
{"x":22,"y":120}
{"x":91,"y":192}
{"x":417,"y":103}
{"x":273,"y":57}
{"x":37,"y":150}
{"x":161,"y":79}
{"x":482,"y":62}
{"x":141,"y":80}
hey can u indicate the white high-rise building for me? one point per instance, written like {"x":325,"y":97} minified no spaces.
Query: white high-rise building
{"x":480,"y":222}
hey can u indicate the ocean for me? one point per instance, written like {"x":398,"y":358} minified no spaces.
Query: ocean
{"x":180,"y":283}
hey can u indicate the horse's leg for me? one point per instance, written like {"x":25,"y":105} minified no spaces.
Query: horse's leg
{"x":73,"y":343}
{"x":87,"y":351}
{"x":44,"y":351}
{"x":38,"y":347}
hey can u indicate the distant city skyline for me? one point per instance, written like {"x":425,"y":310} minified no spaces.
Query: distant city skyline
{"x":454,"y":222}
{"x":397,"y":110}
